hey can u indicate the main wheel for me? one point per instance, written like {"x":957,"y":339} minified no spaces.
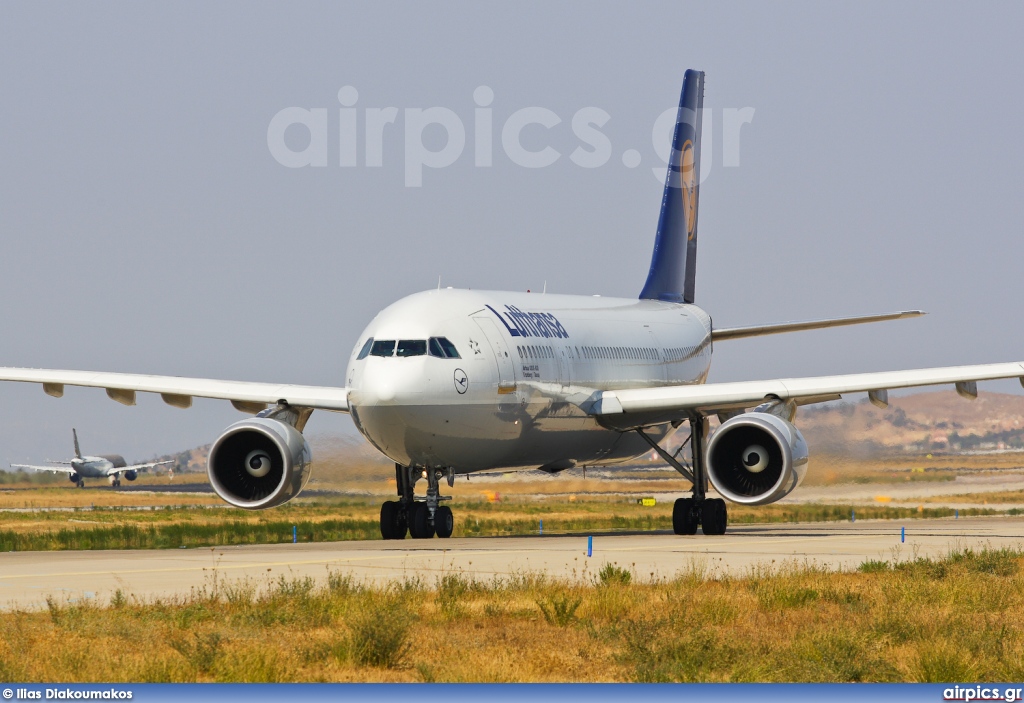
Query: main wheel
{"x":392,"y":524}
{"x":444,"y":522}
{"x":714,"y":516}
{"x":684,"y":517}
{"x":419,"y":521}
{"x":81,"y":483}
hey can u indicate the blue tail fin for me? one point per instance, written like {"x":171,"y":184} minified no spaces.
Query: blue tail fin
{"x":674,"y":263}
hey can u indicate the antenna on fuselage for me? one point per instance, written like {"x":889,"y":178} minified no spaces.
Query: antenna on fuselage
{"x":439,"y":282}
{"x":545,"y":288}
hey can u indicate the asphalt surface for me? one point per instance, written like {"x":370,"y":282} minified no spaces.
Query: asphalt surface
{"x":28,"y":578}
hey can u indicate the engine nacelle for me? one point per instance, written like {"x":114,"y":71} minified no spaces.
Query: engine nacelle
{"x":74,"y":478}
{"x":756,"y":458}
{"x":130,"y":475}
{"x":259,"y":463}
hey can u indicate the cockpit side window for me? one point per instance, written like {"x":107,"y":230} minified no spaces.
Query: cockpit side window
{"x":412,"y":347}
{"x":449,"y":349}
{"x":442,"y":348}
{"x":383,"y":347}
{"x":365,"y":351}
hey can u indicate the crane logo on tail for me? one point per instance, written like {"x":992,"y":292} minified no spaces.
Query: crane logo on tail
{"x":688,"y":187}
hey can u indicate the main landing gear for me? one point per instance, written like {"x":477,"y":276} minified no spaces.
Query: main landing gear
{"x":687,"y":513}
{"x":421,"y":519}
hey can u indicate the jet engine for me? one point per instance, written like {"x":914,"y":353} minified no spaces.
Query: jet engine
{"x":756,"y":458}
{"x":74,"y":478}
{"x":259,"y":463}
{"x":130,"y":475}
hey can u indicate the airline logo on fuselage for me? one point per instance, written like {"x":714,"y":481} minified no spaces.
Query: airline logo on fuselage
{"x":530,"y":324}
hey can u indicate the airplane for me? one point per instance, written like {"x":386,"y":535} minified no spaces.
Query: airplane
{"x":109,"y":466}
{"x":450,"y":382}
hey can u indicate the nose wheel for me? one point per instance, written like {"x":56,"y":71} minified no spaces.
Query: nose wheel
{"x":420,"y":519}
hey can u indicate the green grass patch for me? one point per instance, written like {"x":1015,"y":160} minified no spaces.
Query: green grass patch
{"x":176,"y":527}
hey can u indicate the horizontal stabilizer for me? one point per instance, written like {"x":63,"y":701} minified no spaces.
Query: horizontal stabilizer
{"x":137,"y":467}
{"x":761,"y":330}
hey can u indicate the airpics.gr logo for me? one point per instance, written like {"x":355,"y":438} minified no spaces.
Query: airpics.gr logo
{"x":530,"y":324}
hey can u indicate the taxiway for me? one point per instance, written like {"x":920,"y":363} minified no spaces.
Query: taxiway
{"x":28,"y":578}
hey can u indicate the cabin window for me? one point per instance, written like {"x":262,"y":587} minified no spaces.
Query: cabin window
{"x":365,"y":351}
{"x":412,"y":347}
{"x":383,"y":347}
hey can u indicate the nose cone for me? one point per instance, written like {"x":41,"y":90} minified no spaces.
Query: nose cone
{"x":386,"y":398}
{"x":389,"y":381}
{"x":378,"y":388}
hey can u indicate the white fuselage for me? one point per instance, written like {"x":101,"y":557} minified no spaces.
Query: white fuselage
{"x":526,"y":364}
{"x":96,"y":466}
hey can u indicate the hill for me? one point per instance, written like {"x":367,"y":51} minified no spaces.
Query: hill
{"x":937,"y":421}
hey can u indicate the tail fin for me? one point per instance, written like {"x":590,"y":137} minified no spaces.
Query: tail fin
{"x":674,"y":263}
{"x":78,"y":452}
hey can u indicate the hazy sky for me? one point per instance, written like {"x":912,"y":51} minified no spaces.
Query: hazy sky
{"x":147,"y":227}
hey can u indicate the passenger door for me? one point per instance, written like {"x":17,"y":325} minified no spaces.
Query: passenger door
{"x":505,"y":367}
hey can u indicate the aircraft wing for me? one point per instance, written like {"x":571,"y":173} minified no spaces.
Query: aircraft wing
{"x":723,"y":333}
{"x":52,"y":469}
{"x":137,"y":467}
{"x":179,"y":391}
{"x":629,"y":408}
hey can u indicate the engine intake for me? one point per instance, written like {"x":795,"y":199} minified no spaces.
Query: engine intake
{"x":259,"y":463}
{"x":756,"y":458}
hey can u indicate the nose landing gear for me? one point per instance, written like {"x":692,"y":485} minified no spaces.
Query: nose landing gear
{"x":421,"y":519}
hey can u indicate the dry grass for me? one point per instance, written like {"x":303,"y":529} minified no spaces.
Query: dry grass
{"x":831,"y":469}
{"x":956,"y":619}
{"x":65,"y":495}
{"x":979,"y":498}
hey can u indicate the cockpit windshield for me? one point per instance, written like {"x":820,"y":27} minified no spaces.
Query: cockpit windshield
{"x":443,"y":349}
{"x":383,"y":347}
{"x":412,"y":347}
{"x":438,"y":347}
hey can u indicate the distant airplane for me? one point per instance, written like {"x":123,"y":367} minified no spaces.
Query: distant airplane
{"x":109,"y":466}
